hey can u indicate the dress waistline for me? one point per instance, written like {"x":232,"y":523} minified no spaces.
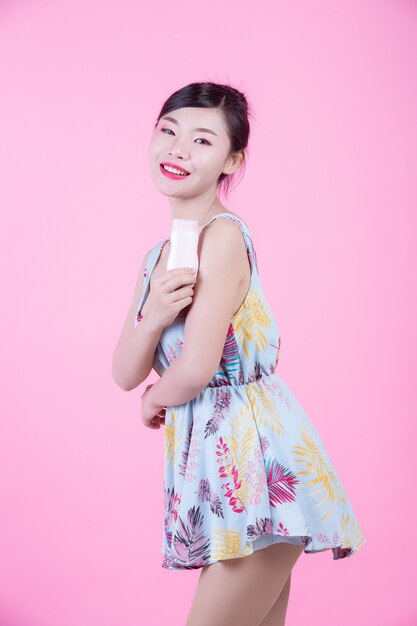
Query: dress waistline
{"x":256,"y":379}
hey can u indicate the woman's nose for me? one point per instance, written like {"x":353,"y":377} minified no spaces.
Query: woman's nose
{"x":179,"y":151}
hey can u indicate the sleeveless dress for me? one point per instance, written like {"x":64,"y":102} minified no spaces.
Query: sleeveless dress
{"x":244,"y":466}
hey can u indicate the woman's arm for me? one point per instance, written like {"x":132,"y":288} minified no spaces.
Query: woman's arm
{"x":134,"y":353}
{"x":222,"y":260}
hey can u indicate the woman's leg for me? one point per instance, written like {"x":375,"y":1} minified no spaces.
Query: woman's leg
{"x":277,"y":615}
{"x":242,"y":591}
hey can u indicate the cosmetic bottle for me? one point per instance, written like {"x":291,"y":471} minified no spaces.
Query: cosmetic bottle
{"x":184,"y":244}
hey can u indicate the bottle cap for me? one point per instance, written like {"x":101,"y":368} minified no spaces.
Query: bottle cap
{"x":180,"y":224}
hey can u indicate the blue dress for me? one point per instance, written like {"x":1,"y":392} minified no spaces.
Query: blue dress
{"x":244,"y":466}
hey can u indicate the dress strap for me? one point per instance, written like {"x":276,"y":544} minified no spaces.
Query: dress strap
{"x":246,"y":235}
{"x":151,"y":261}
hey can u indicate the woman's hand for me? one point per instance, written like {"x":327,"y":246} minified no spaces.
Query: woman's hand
{"x":171,"y":292}
{"x":152,"y":415}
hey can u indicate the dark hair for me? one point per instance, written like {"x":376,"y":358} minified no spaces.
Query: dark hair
{"x":233,"y":106}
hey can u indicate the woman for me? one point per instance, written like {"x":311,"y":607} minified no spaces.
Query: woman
{"x":248,"y":484}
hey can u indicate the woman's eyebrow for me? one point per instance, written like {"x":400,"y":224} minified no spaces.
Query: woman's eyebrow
{"x":200,"y":130}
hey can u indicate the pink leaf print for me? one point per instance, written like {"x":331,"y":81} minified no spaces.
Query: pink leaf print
{"x":281,"y":394}
{"x":262,"y":527}
{"x":171,"y":353}
{"x":255,"y":477}
{"x":265,"y":443}
{"x":228,"y":470}
{"x":191,"y":450}
{"x":256,"y":373}
{"x":172,"y":501}
{"x":281,"y":530}
{"x":230,"y":363}
{"x":219,"y":413}
{"x":206,"y":494}
{"x":281,"y":483}
{"x":190,"y":544}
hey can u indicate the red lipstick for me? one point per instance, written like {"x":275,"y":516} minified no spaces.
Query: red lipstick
{"x":171,"y":174}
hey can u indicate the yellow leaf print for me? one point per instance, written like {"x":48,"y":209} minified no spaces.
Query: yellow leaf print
{"x":249,"y":321}
{"x":352,"y":533}
{"x":225,"y":544}
{"x":264,"y":408}
{"x":321,"y":472}
{"x":241,"y":447}
{"x":171,"y":444}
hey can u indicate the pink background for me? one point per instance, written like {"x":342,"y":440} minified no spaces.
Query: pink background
{"x":329,"y":195}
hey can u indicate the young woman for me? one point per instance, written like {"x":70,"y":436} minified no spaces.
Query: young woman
{"x":248,"y":483}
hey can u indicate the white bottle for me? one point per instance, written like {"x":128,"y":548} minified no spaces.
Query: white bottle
{"x":184,"y":244}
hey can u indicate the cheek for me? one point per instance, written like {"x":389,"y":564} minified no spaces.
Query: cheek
{"x":210,"y":161}
{"x":154,"y":152}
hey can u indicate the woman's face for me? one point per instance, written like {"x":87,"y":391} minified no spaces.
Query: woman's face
{"x":194,"y":139}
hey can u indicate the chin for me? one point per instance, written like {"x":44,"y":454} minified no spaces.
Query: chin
{"x":168,"y":192}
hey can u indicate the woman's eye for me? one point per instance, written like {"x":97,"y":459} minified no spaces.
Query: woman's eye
{"x":169,"y":131}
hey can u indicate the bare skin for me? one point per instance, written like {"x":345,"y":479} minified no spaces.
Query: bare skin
{"x":247,"y":591}
{"x":278,"y":613}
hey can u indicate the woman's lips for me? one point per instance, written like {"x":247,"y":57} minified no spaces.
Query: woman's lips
{"x":170,"y":174}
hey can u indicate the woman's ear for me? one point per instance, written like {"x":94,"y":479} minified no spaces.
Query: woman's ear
{"x":234,"y":162}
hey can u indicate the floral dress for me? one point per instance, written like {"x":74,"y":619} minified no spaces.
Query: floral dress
{"x":244,"y":466}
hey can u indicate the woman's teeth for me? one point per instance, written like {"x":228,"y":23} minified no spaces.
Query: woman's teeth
{"x":173,"y":170}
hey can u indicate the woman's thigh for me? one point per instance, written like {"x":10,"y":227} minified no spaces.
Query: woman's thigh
{"x":242,"y":591}
{"x":278,"y":613}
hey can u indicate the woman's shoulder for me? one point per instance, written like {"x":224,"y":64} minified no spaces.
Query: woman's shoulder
{"x":229,"y":214}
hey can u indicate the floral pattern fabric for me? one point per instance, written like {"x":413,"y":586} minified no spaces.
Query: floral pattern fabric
{"x":244,"y":466}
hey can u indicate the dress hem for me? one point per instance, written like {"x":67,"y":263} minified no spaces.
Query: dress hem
{"x":339,"y":551}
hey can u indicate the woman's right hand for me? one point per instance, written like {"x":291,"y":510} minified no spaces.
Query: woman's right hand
{"x":172,"y":291}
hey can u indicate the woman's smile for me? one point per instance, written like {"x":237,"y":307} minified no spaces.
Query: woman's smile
{"x":172,"y":171}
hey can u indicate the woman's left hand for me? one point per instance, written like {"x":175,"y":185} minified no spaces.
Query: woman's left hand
{"x":152,"y":415}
